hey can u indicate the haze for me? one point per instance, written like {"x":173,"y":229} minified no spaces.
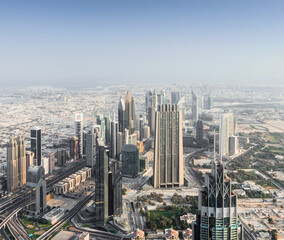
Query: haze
{"x":71,"y":43}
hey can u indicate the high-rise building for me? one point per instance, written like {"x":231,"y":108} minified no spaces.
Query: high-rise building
{"x":233,"y":145}
{"x":16,"y":163}
{"x":151,"y":119}
{"x":107,"y":130}
{"x":113,"y":142}
{"x":151,"y":107}
{"x":199,"y":133}
{"x":146,"y":132}
{"x":226,"y":131}
{"x":130,"y":160}
{"x":91,"y":149}
{"x":74,"y":148}
{"x":119,"y":143}
{"x":121,"y":115}
{"x":128,"y":109}
{"x":101,"y":191}
{"x":61,"y":157}
{"x":175,"y":97}
{"x":217,"y":216}
{"x":79,"y":131}
{"x":22,"y":162}
{"x":12,"y":165}
{"x":29,"y":159}
{"x":45,"y":164}
{"x":168,"y":150}
{"x":35,"y":179}
{"x":195,"y":107}
{"x":133,"y":112}
{"x":51,"y":162}
{"x":36,"y":145}
{"x":115,"y":188}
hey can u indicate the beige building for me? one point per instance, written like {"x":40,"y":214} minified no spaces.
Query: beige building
{"x":16,"y":163}
{"x":168,"y":150}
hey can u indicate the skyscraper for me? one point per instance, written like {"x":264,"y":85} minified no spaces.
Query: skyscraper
{"x":16,"y":163}
{"x":115,"y":188}
{"x":91,"y":148}
{"x":12,"y":165}
{"x":35,"y":179}
{"x":51,"y":161}
{"x":175,"y":97}
{"x":79,"y":131}
{"x":151,"y":107}
{"x":61,"y":157}
{"x":29,"y":159}
{"x":199,"y":133}
{"x":22,"y":161}
{"x":113,"y":139}
{"x":168,"y":151}
{"x":36,"y":145}
{"x":195,"y":107}
{"x":128,"y":110}
{"x":107,"y":130}
{"x":121,"y":115}
{"x":226,"y":131}
{"x":74,"y":148}
{"x":217,"y":216}
{"x":130,"y":160}
{"x":101,"y":173}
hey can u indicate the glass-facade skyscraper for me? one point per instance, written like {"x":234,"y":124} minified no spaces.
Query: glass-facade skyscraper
{"x":36,"y":145}
{"x":217,"y":216}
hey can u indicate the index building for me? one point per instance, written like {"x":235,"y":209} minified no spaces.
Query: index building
{"x":168,"y":150}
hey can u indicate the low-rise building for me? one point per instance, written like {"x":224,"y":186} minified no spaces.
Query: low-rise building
{"x":54,"y":215}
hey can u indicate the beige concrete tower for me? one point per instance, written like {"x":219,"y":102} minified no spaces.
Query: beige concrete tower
{"x":22,"y":164}
{"x":168,"y":152}
{"x":12,"y":165}
{"x":128,"y":112}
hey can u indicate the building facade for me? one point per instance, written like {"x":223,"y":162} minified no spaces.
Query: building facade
{"x":217,"y":216}
{"x":79,"y":131}
{"x":168,"y":149}
{"x":36,"y":145}
{"x":130,"y":160}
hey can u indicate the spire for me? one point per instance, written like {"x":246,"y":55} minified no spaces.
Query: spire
{"x":127,"y":97}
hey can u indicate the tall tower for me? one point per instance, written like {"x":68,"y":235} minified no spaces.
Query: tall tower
{"x":151,"y":108}
{"x":121,"y":115}
{"x":217,"y":216}
{"x":113,"y":139}
{"x":128,"y":108}
{"x":226,"y":131}
{"x":101,"y":173}
{"x":79,"y":131}
{"x":22,"y":162}
{"x":91,"y":148}
{"x":168,"y":152}
{"x":12,"y":165}
{"x":199,"y":133}
{"x":36,"y":145}
{"x":195,"y":107}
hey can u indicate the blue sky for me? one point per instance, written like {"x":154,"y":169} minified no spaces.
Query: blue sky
{"x":88,"y":42}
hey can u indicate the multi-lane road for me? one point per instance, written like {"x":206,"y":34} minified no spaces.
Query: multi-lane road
{"x":25,"y":196}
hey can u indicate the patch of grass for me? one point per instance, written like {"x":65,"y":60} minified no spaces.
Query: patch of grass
{"x":42,"y":225}
{"x":66,"y":225}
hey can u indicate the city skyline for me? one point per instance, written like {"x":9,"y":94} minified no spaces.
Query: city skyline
{"x":75,"y":44}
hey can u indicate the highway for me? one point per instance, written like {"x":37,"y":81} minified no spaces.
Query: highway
{"x":25,"y":196}
{"x":66,"y":217}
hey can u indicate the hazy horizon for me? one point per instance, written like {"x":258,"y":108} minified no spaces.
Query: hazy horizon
{"x":72,"y":43}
